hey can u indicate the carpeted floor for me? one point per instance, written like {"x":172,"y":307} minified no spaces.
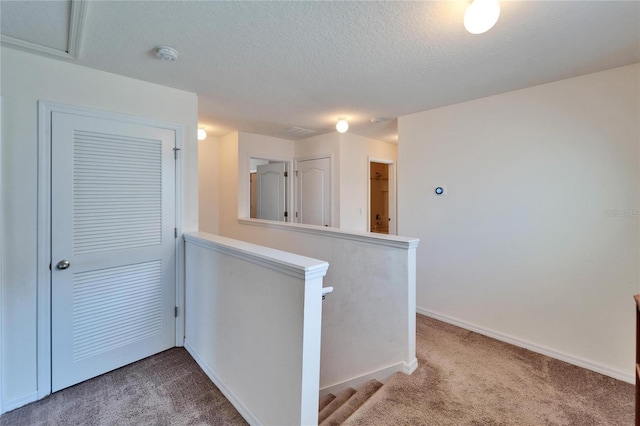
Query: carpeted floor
{"x":468,"y":379}
{"x":463,"y":379}
{"x":166,"y":389}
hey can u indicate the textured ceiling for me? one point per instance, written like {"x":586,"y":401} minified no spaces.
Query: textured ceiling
{"x":44,"y":23}
{"x":265,"y":66}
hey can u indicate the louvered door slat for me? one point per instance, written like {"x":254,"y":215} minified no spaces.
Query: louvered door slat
{"x":92,"y":192}
{"x":140,"y":312}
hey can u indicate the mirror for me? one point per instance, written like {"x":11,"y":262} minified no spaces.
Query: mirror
{"x":269,"y":189}
{"x":270,"y":193}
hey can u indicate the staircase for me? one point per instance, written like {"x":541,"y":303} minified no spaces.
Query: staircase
{"x":336,"y":409}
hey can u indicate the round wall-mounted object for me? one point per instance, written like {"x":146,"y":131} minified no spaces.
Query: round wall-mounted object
{"x":439,"y":190}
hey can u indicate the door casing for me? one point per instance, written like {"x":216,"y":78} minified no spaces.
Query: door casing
{"x":45,"y":110}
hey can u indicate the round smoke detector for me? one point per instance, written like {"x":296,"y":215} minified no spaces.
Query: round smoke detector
{"x":166,"y":53}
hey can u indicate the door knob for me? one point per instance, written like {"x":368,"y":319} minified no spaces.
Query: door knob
{"x":63,"y":264}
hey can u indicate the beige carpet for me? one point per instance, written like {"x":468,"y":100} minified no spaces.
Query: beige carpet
{"x":468,"y":379}
{"x":165,"y":389}
{"x":463,"y":379}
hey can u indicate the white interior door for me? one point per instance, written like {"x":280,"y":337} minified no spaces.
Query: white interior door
{"x":313,"y":191}
{"x":112,"y":220}
{"x":271,"y":191}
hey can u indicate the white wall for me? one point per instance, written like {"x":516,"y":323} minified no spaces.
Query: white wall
{"x":255,"y":162}
{"x":208,"y":188}
{"x":321,"y":145}
{"x":228,"y":201}
{"x":254,"y":318}
{"x":355,"y":151}
{"x":537,"y":240}
{"x":369,"y":321}
{"x":26,"y":79}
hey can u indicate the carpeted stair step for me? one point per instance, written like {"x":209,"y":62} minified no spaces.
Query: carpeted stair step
{"x":369,"y":412}
{"x":335,"y":404}
{"x":352,"y":404}
{"x":325,"y":400}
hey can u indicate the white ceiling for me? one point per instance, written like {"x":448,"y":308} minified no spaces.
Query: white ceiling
{"x":46,"y":19}
{"x":266,"y":66}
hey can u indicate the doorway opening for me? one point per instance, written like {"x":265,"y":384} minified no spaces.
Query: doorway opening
{"x":382,"y":197}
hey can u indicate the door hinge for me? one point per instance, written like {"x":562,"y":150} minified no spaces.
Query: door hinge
{"x":175,"y":232}
{"x":49,"y":266}
{"x":296,"y":173}
{"x":286,"y":174}
{"x":286,"y":214}
{"x":175,"y":153}
{"x":175,"y":312}
{"x":296,"y":214}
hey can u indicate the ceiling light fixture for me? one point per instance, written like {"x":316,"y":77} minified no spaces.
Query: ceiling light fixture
{"x":481,"y":16}
{"x":202,"y":135}
{"x":342,"y":125}
{"x":166,"y":53}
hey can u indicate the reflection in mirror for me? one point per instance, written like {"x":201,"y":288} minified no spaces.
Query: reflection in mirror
{"x":269,"y":189}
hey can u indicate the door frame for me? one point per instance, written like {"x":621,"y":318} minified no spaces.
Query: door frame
{"x":393,"y":193}
{"x":1,"y":254}
{"x":43,"y":278}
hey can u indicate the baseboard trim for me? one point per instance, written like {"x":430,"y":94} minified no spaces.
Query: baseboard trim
{"x":18,"y":402}
{"x":589,"y":365}
{"x":244,"y":411}
{"x":410,"y":367}
{"x":382,"y":375}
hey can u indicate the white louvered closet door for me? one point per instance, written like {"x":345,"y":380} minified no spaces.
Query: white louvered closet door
{"x":113,"y":220}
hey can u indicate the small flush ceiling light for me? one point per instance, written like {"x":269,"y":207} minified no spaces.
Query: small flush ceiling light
{"x":202,"y":135}
{"x":481,"y":15}
{"x":166,"y":53}
{"x":342,"y":125}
